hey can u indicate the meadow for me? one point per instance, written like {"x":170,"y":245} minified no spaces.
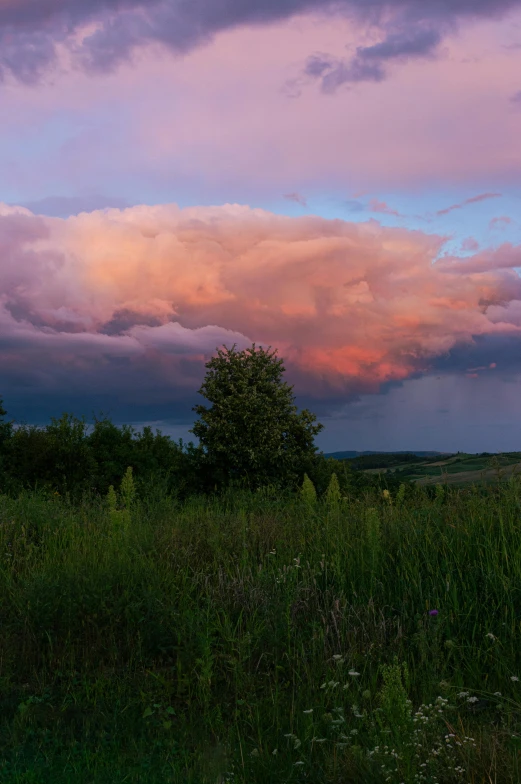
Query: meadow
{"x":459,"y":469}
{"x":261,"y":637}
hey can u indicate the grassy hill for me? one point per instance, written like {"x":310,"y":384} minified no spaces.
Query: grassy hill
{"x":462,"y":468}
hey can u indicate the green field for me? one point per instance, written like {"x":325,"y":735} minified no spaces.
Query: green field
{"x":457,"y":469}
{"x":258,"y":639}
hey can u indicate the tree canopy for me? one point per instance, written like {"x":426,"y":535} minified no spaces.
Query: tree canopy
{"x":252,"y":433}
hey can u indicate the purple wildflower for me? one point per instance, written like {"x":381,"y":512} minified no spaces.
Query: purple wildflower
{"x":433,"y":612}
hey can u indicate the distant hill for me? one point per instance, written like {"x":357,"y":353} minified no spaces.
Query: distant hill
{"x":349,"y":455}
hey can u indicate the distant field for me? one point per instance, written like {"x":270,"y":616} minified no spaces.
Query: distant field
{"x":458,"y":469}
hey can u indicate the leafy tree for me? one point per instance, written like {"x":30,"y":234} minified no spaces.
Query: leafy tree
{"x":6,"y":432}
{"x":25,"y":458}
{"x":70,"y":462}
{"x":252,"y":434}
{"x":6,"y":428}
{"x":112,"y":449}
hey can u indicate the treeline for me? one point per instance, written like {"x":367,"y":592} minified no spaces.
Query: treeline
{"x":363,"y":462}
{"x":63,"y":457}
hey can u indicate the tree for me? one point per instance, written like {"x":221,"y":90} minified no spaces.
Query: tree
{"x":252,"y":433}
{"x":6,"y":432}
{"x":6,"y":428}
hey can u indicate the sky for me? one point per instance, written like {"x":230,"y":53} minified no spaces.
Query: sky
{"x":340,"y":181}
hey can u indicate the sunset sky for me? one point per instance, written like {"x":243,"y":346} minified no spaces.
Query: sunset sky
{"x":339,"y":180}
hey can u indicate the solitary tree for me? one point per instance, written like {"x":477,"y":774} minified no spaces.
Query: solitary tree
{"x":252,"y":431}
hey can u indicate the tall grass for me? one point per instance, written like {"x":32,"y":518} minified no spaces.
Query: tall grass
{"x":261,"y":638}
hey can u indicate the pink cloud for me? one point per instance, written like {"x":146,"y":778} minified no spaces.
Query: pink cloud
{"x":507,"y":256}
{"x":473,"y":200}
{"x":349,"y":306}
{"x":470,"y":244}
{"x":499,"y":222}
{"x":380,"y":206}
{"x":296,"y":197}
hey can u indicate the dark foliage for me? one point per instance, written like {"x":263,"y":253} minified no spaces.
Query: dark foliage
{"x":252,"y":434}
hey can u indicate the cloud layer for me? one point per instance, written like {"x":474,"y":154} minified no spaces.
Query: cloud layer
{"x":102,"y":33}
{"x":134,"y":301}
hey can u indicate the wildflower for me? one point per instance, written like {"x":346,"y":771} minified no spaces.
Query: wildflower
{"x":472,"y":699}
{"x":497,"y":694}
{"x":299,"y":763}
{"x":463,"y":694}
{"x":491,"y":636}
{"x":433,"y":612}
{"x":255,"y":753}
{"x":514,"y":678}
{"x":355,"y":674}
{"x":275,"y":751}
{"x":308,"y":711}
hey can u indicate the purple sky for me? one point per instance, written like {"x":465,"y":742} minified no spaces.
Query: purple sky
{"x":341,"y":180}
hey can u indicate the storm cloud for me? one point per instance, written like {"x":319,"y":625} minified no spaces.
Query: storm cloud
{"x":133,"y":302}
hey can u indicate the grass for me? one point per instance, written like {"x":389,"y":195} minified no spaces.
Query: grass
{"x":261,"y":638}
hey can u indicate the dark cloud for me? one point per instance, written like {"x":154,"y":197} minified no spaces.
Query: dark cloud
{"x":318,"y":64}
{"x":358,"y":70}
{"x":403,"y":44}
{"x":369,"y":62}
{"x":65,"y":206}
{"x":26,"y":55}
{"x":30,"y":29}
{"x":486,"y":353}
{"x":125,"y":319}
